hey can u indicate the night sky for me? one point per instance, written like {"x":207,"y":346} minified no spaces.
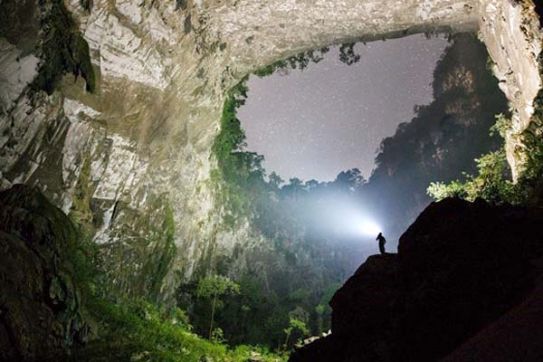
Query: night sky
{"x":331,"y":117}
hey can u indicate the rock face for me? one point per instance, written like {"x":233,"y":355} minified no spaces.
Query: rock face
{"x":40,"y":312}
{"x":460,"y":267}
{"x":135,"y":156}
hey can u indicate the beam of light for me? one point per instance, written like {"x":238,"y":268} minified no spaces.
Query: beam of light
{"x":369,"y":227}
{"x":347,"y":219}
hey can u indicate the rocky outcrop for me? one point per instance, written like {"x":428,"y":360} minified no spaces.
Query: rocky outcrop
{"x":460,"y":267}
{"x":140,"y":145}
{"x":40,"y":303}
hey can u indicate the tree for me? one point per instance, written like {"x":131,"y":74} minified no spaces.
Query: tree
{"x":311,"y":185}
{"x":492,"y":183}
{"x":215,"y":287}
{"x":351,"y":179}
{"x":320,"y":310}
{"x":275,"y":180}
{"x":347,"y":54}
{"x":294,"y":186}
{"x":295,"y":325}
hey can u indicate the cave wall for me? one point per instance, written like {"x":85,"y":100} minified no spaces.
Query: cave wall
{"x":131,"y":162}
{"x":512,"y":34}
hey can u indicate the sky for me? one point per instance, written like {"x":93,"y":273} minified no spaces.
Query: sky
{"x":331,"y":117}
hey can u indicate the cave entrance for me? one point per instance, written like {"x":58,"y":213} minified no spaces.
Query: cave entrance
{"x":392,"y":116}
{"x":426,"y":104}
{"x":333,"y":114}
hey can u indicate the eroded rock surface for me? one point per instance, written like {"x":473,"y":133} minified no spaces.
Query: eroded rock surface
{"x":460,"y":267}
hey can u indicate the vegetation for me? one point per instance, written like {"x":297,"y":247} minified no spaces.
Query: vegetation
{"x":296,"y":279}
{"x":63,"y":49}
{"x":442,"y":140}
{"x":291,"y":277}
{"x":301,"y":61}
{"x":493,"y":181}
{"x":347,"y":54}
{"x":138,"y":330}
{"x":157,"y":265}
{"x":238,"y":171}
{"x":213,"y":288}
{"x":295,"y":325}
{"x":126,"y":329}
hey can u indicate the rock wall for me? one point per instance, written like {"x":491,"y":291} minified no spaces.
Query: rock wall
{"x":512,"y":33}
{"x":134,"y":157}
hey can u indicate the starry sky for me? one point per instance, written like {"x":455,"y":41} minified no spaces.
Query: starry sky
{"x":331,"y":117}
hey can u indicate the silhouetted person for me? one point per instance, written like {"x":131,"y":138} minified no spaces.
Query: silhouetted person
{"x":382,"y":242}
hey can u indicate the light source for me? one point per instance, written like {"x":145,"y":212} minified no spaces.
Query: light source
{"x":369,"y":227}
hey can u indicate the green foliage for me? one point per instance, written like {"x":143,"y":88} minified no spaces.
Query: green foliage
{"x":299,"y":61}
{"x":138,"y":330}
{"x":260,"y":311}
{"x":492,"y":181}
{"x":295,"y":325}
{"x":502,"y":126}
{"x":216,"y":286}
{"x":63,"y":49}
{"x":441,"y":190}
{"x":302,"y":60}
{"x":127,"y":329}
{"x":239,"y":171}
{"x":213,"y":288}
{"x":84,"y":257}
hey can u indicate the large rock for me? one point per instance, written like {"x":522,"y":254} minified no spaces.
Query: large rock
{"x":460,"y":267}
{"x":40,"y":312}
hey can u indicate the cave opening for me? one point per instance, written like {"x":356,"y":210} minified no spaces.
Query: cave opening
{"x":134,"y":228}
{"x":323,"y":221}
{"x":332,"y":115}
{"x":359,"y":111}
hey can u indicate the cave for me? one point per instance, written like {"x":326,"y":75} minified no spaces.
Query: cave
{"x":110,"y":113}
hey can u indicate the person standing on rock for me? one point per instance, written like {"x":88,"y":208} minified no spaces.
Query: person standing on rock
{"x":382,"y":242}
